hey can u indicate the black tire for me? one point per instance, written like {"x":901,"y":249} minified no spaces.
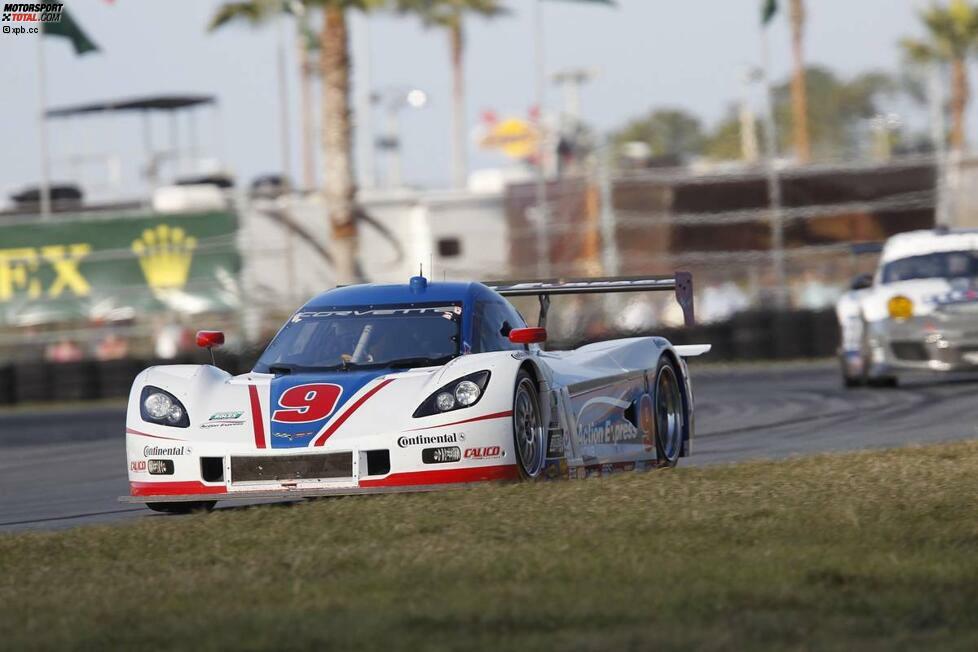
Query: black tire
{"x":669,"y":412}
{"x":528,"y":428}
{"x":848,"y":381}
{"x":182,"y":508}
{"x":869,"y":379}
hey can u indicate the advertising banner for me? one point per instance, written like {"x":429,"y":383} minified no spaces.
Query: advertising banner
{"x":118,"y":268}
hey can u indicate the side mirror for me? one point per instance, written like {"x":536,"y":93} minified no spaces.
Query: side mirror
{"x":528,"y":335}
{"x":862,"y":282}
{"x":210,"y":339}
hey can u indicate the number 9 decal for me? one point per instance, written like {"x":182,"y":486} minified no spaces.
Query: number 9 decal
{"x":305,"y":403}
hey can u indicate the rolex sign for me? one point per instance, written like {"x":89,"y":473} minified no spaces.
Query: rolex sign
{"x":118,"y":268}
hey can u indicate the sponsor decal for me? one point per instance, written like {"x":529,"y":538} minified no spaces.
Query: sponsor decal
{"x":224,"y":420}
{"x":138,"y":466}
{"x":607,"y":432}
{"x":485,"y":453}
{"x":160,"y":467}
{"x":443,"y":455}
{"x":165,"y":254}
{"x":169,"y":451}
{"x":449,"y":312}
{"x":422,"y":440}
{"x":225,"y":416}
{"x":292,"y":436}
{"x":307,"y":403}
{"x":555,"y":444}
{"x":19,"y":271}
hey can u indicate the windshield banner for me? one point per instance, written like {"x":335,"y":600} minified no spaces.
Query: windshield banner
{"x":110,"y":269}
{"x":449,"y":312}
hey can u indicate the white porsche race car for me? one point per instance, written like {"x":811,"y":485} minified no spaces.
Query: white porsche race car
{"x":919,"y":312}
{"x":375,"y":388}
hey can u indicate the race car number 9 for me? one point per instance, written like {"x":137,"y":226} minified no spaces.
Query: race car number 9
{"x":305,"y":403}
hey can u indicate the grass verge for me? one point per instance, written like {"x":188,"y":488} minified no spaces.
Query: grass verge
{"x":859,"y":551}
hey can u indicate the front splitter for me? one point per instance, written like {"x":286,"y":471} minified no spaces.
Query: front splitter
{"x":293,"y":494}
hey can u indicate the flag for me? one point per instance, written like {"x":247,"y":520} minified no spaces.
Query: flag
{"x":768,"y":10}
{"x":69,"y":29}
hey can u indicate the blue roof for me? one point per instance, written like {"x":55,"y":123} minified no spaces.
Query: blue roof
{"x":375,"y":294}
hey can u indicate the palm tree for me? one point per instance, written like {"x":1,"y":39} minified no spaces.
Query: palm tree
{"x":799,"y":91}
{"x":450,"y":14}
{"x":340,"y":189}
{"x":952,"y":37}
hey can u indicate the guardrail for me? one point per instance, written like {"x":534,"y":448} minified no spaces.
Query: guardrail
{"x":752,"y":335}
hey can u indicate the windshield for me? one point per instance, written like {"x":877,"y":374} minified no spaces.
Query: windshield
{"x":945,"y":264}
{"x":364,"y":337}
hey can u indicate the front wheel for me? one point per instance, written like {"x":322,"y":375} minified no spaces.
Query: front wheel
{"x":528,"y":427}
{"x":182,"y":508}
{"x":670,"y":414}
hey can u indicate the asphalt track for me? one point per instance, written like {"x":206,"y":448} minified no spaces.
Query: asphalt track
{"x":62,"y":468}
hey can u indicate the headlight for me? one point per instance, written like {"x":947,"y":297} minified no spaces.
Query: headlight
{"x":445,"y":401}
{"x":159,"y":406}
{"x":900,"y":307}
{"x":467,"y":393}
{"x":462,"y":393}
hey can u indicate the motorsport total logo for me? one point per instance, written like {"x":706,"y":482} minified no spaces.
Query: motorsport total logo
{"x":49,"y":12}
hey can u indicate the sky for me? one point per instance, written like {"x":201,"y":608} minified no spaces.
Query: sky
{"x":650,"y":53}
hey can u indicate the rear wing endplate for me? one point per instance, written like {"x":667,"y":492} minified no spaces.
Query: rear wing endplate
{"x":681,"y":283}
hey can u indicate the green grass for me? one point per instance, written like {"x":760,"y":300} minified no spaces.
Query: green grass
{"x":861,"y":551}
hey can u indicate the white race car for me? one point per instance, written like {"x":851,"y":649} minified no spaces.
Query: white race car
{"x":374,"y":388}
{"x":919,"y":312}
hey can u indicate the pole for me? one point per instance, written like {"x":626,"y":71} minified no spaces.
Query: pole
{"x":365,"y":132}
{"x":543,"y":210}
{"x":305,"y":99}
{"x":748,"y":128}
{"x":610,"y":260}
{"x":938,"y":134}
{"x":773,"y":183}
{"x":43,"y":131}
{"x":283,"y":104}
{"x":394,"y":146}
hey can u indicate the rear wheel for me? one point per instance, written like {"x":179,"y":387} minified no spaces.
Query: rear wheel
{"x":182,"y":508}
{"x":527,"y":427}
{"x":670,"y":415}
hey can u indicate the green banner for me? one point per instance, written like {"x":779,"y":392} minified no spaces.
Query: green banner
{"x":118,"y":268}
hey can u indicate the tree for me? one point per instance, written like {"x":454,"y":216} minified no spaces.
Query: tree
{"x":724,"y":142}
{"x":952,"y":37}
{"x":799,"y":95}
{"x":836,"y":108}
{"x":340,"y":188}
{"x":450,"y":15}
{"x":669,"y":132}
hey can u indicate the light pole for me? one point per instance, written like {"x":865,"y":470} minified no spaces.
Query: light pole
{"x":393,"y":101}
{"x":570,"y":82}
{"x":748,"y":126}
{"x":773,"y":182}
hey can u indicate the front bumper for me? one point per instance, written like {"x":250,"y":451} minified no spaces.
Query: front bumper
{"x":295,"y":493}
{"x":210,"y":470}
{"x":925,"y":344}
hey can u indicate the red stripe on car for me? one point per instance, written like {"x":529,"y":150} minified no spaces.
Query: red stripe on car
{"x":173,"y":488}
{"x":256,"y":417}
{"x":484,"y":417}
{"x":321,"y":439}
{"x":130,"y":431}
{"x":447,"y":476}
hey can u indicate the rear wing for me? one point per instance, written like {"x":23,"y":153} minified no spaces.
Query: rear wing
{"x":681,"y":283}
